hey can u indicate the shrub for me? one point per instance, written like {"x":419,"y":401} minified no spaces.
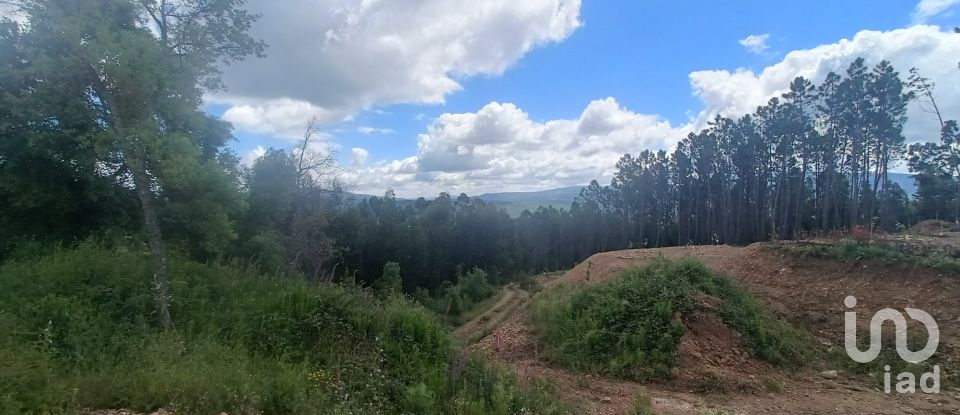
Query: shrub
{"x":80,"y":332}
{"x":627,"y":326}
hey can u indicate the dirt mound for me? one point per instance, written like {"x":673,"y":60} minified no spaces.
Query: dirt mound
{"x":711,"y":356}
{"x":933,"y":227}
{"x":716,"y":374}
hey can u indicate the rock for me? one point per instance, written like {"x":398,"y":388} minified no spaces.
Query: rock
{"x":606,"y":399}
{"x":829,"y":374}
{"x":160,"y":411}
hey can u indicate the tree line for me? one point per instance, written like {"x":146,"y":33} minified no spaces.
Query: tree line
{"x":104,"y":134}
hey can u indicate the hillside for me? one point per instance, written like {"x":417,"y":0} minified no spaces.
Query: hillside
{"x":716,"y":372}
{"x":516,"y":202}
{"x":80,"y":337}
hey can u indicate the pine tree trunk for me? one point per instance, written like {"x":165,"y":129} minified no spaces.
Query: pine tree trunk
{"x":158,"y":252}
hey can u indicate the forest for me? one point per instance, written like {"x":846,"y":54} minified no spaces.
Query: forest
{"x":120,"y":148}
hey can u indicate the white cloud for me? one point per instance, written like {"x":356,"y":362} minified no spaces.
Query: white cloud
{"x":756,"y":44}
{"x":374,"y":130}
{"x":284,"y":118}
{"x":929,"y":8}
{"x":332,"y":58}
{"x":500,"y":148}
{"x":932,"y":51}
{"x":359,"y":156}
{"x":252,"y":156}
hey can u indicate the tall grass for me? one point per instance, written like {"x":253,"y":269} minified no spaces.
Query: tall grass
{"x":80,"y":332}
{"x":629,"y":327}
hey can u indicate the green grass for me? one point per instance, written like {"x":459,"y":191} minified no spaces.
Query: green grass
{"x":80,"y":332}
{"x":641,"y":406}
{"x":627,"y":326}
{"x":850,"y":249}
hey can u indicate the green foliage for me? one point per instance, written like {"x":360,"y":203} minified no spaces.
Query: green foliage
{"x":628,"y":326}
{"x":856,"y":250}
{"x":641,"y":406}
{"x":390,"y":281}
{"x":80,"y":334}
{"x":454,"y":301}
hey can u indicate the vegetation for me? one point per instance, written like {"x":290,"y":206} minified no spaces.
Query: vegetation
{"x":630,"y":327}
{"x":455,"y":300}
{"x":105,"y":137}
{"x":641,"y":406}
{"x":857,"y":250}
{"x":82,"y":333}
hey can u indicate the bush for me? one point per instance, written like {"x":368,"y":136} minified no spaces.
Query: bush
{"x":627,"y":326}
{"x":453,"y":301}
{"x":83,"y":334}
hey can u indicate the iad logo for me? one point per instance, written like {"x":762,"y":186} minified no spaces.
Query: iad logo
{"x":906,"y":381}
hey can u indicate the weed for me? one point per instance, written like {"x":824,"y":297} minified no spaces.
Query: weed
{"x":772,"y":386}
{"x":708,"y":382}
{"x":641,"y":406}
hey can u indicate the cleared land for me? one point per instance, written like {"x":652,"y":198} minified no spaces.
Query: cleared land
{"x":716,"y":373}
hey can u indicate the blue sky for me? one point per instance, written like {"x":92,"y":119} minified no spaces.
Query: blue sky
{"x":640,"y":53}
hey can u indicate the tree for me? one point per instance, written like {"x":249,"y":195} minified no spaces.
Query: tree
{"x":390,"y":281}
{"x":144,"y":85}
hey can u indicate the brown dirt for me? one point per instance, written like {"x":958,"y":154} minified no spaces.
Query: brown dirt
{"x":807,"y":292}
{"x":933,"y":227}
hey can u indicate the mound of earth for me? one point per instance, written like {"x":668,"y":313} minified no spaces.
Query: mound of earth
{"x":933,"y":227}
{"x":711,"y":356}
{"x":715,"y":371}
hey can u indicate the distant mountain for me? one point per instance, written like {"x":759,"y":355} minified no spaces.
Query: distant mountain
{"x":516,"y":202}
{"x":513,"y":202}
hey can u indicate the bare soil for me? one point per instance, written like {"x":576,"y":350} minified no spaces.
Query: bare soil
{"x":715,"y":374}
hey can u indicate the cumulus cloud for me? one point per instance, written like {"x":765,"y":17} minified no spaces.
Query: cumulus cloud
{"x":929,"y":8}
{"x":756,"y":44}
{"x":933,"y":51}
{"x":284,"y":117}
{"x":358,"y":156}
{"x":332,"y":58}
{"x":500,"y":148}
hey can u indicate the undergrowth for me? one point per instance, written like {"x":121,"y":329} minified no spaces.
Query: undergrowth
{"x":80,"y":332}
{"x":629,"y":327}
{"x":857,"y":250}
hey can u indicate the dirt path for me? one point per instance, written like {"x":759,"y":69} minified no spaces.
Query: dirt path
{"x":511,"y":299}
{"x":809,"y":293}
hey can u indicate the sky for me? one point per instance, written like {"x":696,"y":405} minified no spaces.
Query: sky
{"x":424,"y":96}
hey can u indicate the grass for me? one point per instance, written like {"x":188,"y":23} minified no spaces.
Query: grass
{"x":857,"y":250}
{"x":80,"y":332}
{"x":889,"y":357}
{"x":641,"y":406}
{"x":627,"y":327}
